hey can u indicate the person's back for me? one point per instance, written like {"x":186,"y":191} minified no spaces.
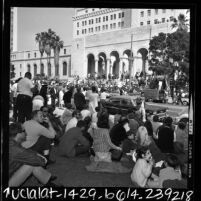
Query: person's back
{"x":165,"y":139}
{"x":72,"y":138}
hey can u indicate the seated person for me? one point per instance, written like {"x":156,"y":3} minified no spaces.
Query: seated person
{"x":38,"y":137}
{"x":142,"y":170}
{"x":102,"y":144}
{"x":73,"y":143}
{"x":67,"y":115}
{"x":144,"y":140}
{"x":76,"y":116}
{"x":85,"y":112}
{"x":171,"y":170}
{"x":25,"y":162}
{"x":38,"y":102}
{"x":119,"y":135}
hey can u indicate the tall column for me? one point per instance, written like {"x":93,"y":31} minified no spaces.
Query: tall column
{"x":120,"y":67}
{"x":96,"y":67}
{"x":108,"y":68}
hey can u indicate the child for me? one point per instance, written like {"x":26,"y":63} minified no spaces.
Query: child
{"x":171,"y":170}
{"x":143,"y":169}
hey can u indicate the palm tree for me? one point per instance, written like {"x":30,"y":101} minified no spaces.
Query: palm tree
{"x":40,"y":40}
{"x":181,"y":23}
{"x":57,"y":44}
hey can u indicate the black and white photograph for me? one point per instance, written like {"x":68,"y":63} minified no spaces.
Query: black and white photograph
{"x":100,"y":96}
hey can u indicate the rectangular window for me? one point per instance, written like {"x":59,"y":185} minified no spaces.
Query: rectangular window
{"x":114,"y":25}
{"x":142,"y":14}
{"x":155,"y":21}
{"x":119,"y":15}
{"x":96,"y":28}
{"x":148,"y":22}
{"x":106,"y":27}
{"x":82,"y":31}
{"x":99,"y":19}
{"x":89,"y":21}
{"x":106,"y":18}
{"x":156,"y":11}
{"x":85,"y":22}
{"x":111,"y":17}
{"x":92,"y":30}
{"x":77,"y":34}
{"x":103,"y":27}
{"x":77,"y":24}
{"x":96,"y":20}
{"x":122,"y":14}
{"x":92,"y":21}
{"x":164,"y":10}
{"x":163,"y":20}
{"x":89,"y":30}
{"x":114,"y":16}
{"x":122,"y":24}
{"x":141,"y":23}
{"x":28,"y":55}
{"x":35,"y":55}
{"x":82,"y":23}
{"x":148,"y":12}
{"x":110,"y":26}
{"x":119,"y":24}
{"x":65,"y":49}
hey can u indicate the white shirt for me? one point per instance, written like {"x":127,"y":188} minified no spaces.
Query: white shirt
{"x":24,"y":87}
{"x":72,"y":123}
{"x":103,"y":95}
{"x":34,"y":130}
{"x":85,"y":113}
{"x":14,"y":89}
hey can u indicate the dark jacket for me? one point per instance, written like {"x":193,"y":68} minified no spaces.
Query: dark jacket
{"x":118,"y":134}
{"x":19,"y":156}
{"x":67,"y":97}
{"x":165,"y":140}
{"x":79,"y":100}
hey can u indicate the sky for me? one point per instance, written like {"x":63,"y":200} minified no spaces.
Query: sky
{"x":35,"y":20}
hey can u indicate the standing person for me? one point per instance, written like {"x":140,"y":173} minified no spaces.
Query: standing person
{"x":79,"y":99}
{"x":53,"y":94}
{"x":25,"y":90}
{"x":43,"y":92}
{"x":93,"y":100}
{"x":61,"y":95}
{"x":15,"y":93}
{"x":68,"y":95}
{"x":165,"y":140}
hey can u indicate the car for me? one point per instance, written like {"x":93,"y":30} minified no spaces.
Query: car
{"x":127,"y":103}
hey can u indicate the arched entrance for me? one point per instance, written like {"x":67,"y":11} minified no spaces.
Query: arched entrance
{"x":90,"y":64}
{"x":114,"y":64}
{"x":127,"y":63}
{"x":144,"y":53}
{"x":42,"y":68}
{"x":35,"y":69}
{"x":64,"y":68}
{"x":102,"y":68}
{"x":49,"y":70}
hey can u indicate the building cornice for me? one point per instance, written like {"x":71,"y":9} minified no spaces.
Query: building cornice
{"x":96,"y":13}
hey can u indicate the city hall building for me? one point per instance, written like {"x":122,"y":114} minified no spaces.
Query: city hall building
{"x":105,"y":41}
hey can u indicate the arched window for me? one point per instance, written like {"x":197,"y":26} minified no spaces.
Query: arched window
{"x":35,"y":69}
{"x":64,"y":68}
{"x":49,"y":69}
{"x":57,"y":70}
{"x":42,"y":68}
{"x":28,"y":68}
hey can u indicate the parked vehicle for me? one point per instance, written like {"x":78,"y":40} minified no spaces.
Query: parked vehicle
{"x":126,"y":103}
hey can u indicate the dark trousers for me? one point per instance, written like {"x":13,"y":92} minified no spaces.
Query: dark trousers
{"x":15,"y":112}
{"x":81,"y":149}
{"x":42,"y":144}
{"x":24,"y":107}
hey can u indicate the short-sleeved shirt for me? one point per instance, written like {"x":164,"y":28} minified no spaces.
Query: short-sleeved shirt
{"x":34,"y":130}
{"x":24,"y":87}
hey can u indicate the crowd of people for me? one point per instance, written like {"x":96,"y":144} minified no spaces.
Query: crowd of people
{"x":73,"y":119}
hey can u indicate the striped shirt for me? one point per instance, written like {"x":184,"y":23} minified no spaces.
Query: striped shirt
{"x":102,"y":141}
